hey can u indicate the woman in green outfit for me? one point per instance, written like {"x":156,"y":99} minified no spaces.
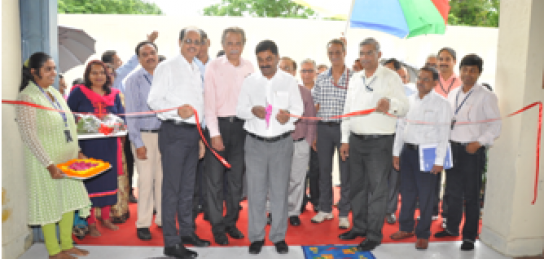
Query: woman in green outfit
{"x":50,"y":138}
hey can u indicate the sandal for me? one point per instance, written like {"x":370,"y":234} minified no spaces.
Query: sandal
{"x":93,"y":231}
{"x":109,"y":225}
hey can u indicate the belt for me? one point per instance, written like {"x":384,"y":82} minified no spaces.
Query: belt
{"x":411,"y":146}
{"x":458,"y":143}
{"x":150,"y":131}
{"x":230,"y":119}
{"x":181,"y":123}
{"x":298,"y":140}
{"x":367,"y":137}
{"x":329,"y":123}
{"x":270,"y":140}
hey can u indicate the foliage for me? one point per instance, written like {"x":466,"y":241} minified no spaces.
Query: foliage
{"x":259,"y":8}
{"x":107,"y":7}
{"x":483,"y":13}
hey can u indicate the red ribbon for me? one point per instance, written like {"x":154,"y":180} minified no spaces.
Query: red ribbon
{"x":351,"y":114}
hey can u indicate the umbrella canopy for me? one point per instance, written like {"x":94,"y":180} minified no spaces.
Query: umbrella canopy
{"x":75,"y":47}
{"x":401,"y":18}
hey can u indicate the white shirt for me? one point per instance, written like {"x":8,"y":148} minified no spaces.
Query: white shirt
{"x":177,"y":82}
{"x":385,"y":84}
{"x":482,"y":104}
{"x":281,"y":91}
{"x":432,"y":109}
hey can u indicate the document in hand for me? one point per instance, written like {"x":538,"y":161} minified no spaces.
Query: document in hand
{"x":427,"y":156}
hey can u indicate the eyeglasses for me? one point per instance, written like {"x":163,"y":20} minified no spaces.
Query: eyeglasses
{"x":368,"y":53}
{"x":431,"y":65}
{"x":307,"y":71}
{"x":195,"y":42}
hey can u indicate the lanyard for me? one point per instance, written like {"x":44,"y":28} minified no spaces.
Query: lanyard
{"x":347,"y":80}
{"x":369,"y":84}
{"x":56,"y":105}
{"x":147,"y":79}
{"x":462,"y":103}
{"x":449,"y":88}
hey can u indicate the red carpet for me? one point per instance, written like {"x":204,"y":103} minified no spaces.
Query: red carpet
{"x":306,"y":234}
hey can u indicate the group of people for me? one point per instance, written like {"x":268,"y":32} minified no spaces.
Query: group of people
{"x":263,"y":123}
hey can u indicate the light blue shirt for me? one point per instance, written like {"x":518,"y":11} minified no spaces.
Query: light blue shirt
{"x":123,"y":71}
{"x":202,"y":68}
{"x":138,"y":85}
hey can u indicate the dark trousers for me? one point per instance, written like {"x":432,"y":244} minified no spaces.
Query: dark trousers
{"x":129,"y":158}
{"x":199,"y":199}
{"x":313,"y":178}
{"x":414,"y":184}
{"x":436,"y":202}
{"x":179,"y":156}
{"x":464,"y":182}
{"x":328,"y":139}
{"x":394,"y":188}
{"x":370,"y":165}
{"x":233,"y":136}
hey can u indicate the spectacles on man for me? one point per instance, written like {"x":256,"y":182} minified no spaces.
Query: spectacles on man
{"x":431,"y":65}
{"x":303,"y":71}
{"x":195,"y":42}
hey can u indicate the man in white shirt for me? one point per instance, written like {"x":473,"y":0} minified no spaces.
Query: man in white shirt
{"x":434,"y":112}
{"x":368,"y":141}
{"x":267,"y":100}
{"x":470,"y":103}
{"x":177,"y":83}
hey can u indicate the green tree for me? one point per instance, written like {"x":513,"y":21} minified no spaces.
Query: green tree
{"x":107,"y":7}
{"x":259,"y":8}
{"x":483,"y":13}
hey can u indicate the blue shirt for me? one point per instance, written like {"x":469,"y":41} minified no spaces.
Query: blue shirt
{"x":202,"y":68}
{"x":138,"y":85}
{"x":123,"y":71}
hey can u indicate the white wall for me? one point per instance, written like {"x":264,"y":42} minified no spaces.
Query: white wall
{"x":16,"y":236}
{"x":296,"y":38}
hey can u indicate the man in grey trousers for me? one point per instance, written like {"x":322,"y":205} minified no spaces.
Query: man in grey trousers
{"x":267,"y":100}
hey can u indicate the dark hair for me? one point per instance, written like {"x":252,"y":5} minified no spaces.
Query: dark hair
{"x":292,"y":61}
{"x":36,"y":61}
{"x":371,"y":41}
{"x":488,"y":86}
{"x":267,"y":45}
{"x":396,"y":63}
{"x":220,"y":53}
{"x":188,"y":29}
{"x":161,"y":58}
{"x":472,"y":60}
{"x":337,"y":41}
{"x":433,"y":70}
{"x":107,"y":57}
{"x":108,"y":65}
{"x":203,"y":34}
{"x":449,"y":50}
{"x":145,"y":43}
{"x":78,"y":81}
{"x":107,"y":85}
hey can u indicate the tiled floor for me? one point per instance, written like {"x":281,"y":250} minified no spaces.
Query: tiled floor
{"x":437,"y":250}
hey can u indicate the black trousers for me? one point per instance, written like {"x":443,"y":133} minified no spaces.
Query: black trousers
{"x":178,"y":145}
{"x":199,"y":199}
{"x":313,"y":178}
{"x":414,"y":184}
{"x":370,"y":165}
{"x":129,"y":158}
{"x":464,"y":185}
{"x":436,"y":202}
{"x":233,"y":136}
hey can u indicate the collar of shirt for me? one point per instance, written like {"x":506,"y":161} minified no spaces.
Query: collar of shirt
{"x":183,"y":61}
{"x":378,"y":71}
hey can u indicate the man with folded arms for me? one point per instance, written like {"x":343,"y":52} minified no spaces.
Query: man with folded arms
{"x":469,"y":142}
{"x":177,"y":83}
{"x":267,"y":100}
{"x":434,"y":110}
{"x":368,"y":140}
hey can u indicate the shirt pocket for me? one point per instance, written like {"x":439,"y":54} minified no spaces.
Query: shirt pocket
{"x":281,"y":99}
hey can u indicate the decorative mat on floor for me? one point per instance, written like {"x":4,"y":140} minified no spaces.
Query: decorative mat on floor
{"x":335,"y":252}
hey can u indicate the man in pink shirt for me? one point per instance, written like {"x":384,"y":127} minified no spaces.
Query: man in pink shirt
{"x":448,"y":79}
{"x":222,"y":85}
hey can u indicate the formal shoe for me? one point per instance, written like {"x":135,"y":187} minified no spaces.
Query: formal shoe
{"x":350,"y":235}
{"x":391,"y":218}
{"x":143,"y":233}
{"x":444,"y":225}
{"x":281,"y":247}
{"x":240,"y":207}
{"x":255,"y":247}
{"x":178,"y":251}
{"x":269,"y":219}
{"x":221,"y":239}
{"x":194,"y":240}
{"x":401,"y":235}
{"x":206,"y":217}
{"x":322,"y":216}
{"x":343,"y":223}
{"x":367,"y":245}
{"x":294,"y":221}
{"x":234,"y":232}
{"x":467,"y":246}
{"x":434,"y":218}
{"x":418,"y":218}
{"x":422,"y":243}
{"x":132,"y":199}
{"x":444,"y":233}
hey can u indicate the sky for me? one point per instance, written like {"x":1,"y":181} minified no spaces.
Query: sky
{"x":183,"y":7}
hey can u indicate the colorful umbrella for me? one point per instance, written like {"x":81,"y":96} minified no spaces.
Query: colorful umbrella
{"x":401,"y":18}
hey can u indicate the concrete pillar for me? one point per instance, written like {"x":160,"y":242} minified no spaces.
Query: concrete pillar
{"x":511,"y":225}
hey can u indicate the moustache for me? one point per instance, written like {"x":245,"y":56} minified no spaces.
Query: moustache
{"x":265,"y":67}
{"x":443,"y":65}
{"x":150,"y":60}
{"x":234,"y":52}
